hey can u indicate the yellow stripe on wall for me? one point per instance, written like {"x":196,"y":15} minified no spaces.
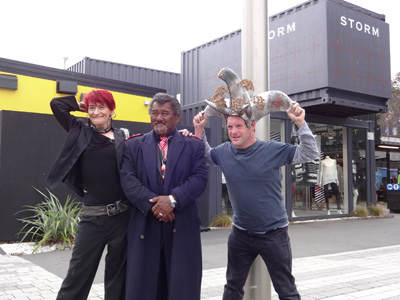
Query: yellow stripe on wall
{"x":34,"y":95}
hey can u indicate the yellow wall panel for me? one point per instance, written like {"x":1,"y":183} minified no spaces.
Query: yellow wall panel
{"x":34,"y":94}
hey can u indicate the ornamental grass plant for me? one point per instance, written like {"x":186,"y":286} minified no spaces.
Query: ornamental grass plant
{"x":376,"y":211}
{"x":370,"y":211}
{"x":221,"y":221}
{"x":51,"y":222}
{"x":360,"y":211}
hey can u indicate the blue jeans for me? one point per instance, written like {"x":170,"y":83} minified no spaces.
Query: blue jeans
{"x":274,"y":248}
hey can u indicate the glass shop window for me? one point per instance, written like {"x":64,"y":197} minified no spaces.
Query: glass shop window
{"x":318,"y":187}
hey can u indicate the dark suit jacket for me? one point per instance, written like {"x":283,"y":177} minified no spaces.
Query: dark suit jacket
{"x":78,"y":138}
{"x":186,"y":179}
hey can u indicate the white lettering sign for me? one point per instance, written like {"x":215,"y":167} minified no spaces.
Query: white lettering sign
{"x":357,"y":25}
{"x":393,"y":187}
{"x":281,"y":31}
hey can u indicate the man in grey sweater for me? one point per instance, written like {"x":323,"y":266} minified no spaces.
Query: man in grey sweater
{"x":252,"y":170}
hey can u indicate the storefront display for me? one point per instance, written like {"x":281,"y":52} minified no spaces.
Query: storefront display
{"x":331,"y":185}
{"x":319,"y":187}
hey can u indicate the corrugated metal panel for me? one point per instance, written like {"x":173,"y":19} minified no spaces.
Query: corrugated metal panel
{"x":302,"y":63}
{"x":332,"y":44}
{"x":12,"y":66}
{"x":132,"y":74}
{"x":79,"y":67}
{"x":200,"y":67}
{"x":209,"y":203}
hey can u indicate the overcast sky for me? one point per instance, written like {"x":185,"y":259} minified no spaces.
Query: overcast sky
{"x":146,"y":33}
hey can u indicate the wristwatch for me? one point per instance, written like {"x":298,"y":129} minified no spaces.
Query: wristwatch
{"x":173,"y":202}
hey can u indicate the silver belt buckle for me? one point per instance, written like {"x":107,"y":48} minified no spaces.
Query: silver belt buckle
{"x":111,"y":209}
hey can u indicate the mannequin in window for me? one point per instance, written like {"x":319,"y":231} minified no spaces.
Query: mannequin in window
{"x":355,"y":190}
{"x":225,"y":195}
{"x":297,"y":169}
{"x":394,"y":179}
{"x":329,"y":180}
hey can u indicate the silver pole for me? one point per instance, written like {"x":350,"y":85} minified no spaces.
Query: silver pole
{"x":255,"y":68}
{"x":255,"y":53}
{"x":65,"y":62}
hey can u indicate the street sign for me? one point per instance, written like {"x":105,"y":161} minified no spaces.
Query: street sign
{"x":393,"y":187}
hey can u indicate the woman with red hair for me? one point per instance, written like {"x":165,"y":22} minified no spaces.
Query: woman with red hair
{"x":89,"y":163}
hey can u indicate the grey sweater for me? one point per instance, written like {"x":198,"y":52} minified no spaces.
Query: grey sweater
{"x":253,"y":177}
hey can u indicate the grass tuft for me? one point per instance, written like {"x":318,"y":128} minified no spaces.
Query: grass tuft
{"x":360,"y":211}
{"x":221,"y":221}
{"x":51,"y":222}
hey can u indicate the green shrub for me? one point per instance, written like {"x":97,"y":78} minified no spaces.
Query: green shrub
{"x":221,"y":221}
{"x":376,"y":210}
{"x":372,"y":210}
{"x":360,"y":211}
{"x":51,"y":222}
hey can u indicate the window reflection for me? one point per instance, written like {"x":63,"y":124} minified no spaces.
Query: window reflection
{"x":318,"y":188}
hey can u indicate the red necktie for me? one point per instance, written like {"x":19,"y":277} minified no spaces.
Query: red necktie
{"x":163,"y":146}
{"x":164,"y":149}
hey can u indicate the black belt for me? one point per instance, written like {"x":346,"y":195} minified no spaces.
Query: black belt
{"x":106,"y":210}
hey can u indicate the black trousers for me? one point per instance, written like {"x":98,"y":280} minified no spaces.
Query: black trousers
{"x":335,"y":192}
{"x":274,"y":248}
{"x":93,"y":234}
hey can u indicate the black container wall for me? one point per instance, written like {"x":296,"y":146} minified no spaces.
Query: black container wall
{"x":29,"y":145}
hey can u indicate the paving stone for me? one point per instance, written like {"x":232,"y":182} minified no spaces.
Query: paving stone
{"x":371,"y":274}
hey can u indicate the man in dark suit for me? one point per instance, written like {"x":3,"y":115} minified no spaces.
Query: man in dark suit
{"x":164,"y":246}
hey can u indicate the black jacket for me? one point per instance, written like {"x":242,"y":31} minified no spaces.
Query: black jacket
{"x":79,"y":134}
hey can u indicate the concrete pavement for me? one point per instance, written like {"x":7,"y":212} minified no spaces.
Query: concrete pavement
{"x":332,"y":259}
